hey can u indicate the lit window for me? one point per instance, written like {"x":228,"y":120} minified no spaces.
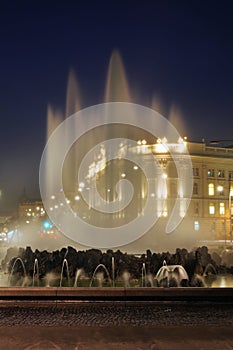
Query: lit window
{"x":195,"y":188}
{"x":211,"y":189}
{"x":221,"y":173}
{"x":210,"y":173}
{"x":220,"y":190}
{"x":221,"y":208}
{"x":196,"y":225}
{"x":211,"y":208}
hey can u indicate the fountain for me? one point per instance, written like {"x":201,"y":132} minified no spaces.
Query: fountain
{"x":78,"y":274}
{"x":126,"y":279}
{"x":171,"y":273}
{"x":96,"y":269}
{"x":82,"y":264}
{"x":65,"y":264}
{"x":144,"y":276}
{"x":35,"y":272}
{"x":106,"y":176}
{"x":209,"y":274}
{"x":24,"y":271}
{"x":113,"y":271}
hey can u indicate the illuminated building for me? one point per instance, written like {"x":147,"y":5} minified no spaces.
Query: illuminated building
{"x":208,"y":215}
{"x":30,"y":210}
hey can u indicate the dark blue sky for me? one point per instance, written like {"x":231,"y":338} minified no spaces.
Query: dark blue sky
{"x":182,"y":51}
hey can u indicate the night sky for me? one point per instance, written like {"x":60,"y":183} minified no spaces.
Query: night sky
{"x":180,"y":51}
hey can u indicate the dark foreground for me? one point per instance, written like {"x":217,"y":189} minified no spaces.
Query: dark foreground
{"x":163,"y":326}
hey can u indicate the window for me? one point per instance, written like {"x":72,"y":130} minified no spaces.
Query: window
{"x":211,"y":189}
{"x":196,"y":225}
{"x":195,"y":188}
{"x":196,"y":208}
{"x":230,"y":175}
{"x":195,"y":171}
{"x":211,"y":208}
{"x":210,"y":173}
{"x":222,"y":208}
{"x":220,"y":190}
{"x":224,"y":225}
{"x":213,"y":227}
{"x":221,"y":173}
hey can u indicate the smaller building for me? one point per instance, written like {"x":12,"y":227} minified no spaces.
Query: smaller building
{"x":30,"y":209}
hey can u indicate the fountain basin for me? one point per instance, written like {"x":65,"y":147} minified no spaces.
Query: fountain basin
{"x":53,"y":296}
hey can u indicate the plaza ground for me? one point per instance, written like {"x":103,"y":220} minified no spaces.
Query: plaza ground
{"x":166,"y":326}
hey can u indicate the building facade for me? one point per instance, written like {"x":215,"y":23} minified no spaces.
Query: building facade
{"x":211,"y":207}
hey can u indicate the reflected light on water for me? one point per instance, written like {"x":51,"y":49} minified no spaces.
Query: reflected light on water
{"x":223,"y":282}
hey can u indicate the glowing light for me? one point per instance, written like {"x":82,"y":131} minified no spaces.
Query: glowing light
{"x":144,"y":142}
{"x":123,"y":175}
{"x":220,"y":188}
{"x":135,"y":167}
{"x":231,"y":191}
{"x":77,"y":198}
{"x":211,"y":189}
{"x":52,"y":197}
{"x":82,"y":185}
{"x":47,"y":224}
{"x":164,"y":176}
{"x":164,"y":140}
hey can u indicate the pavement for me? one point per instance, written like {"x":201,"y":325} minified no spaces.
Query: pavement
{"x":115,"y":338}
{"x":164,"y":326}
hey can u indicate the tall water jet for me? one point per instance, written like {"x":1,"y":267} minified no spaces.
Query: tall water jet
{"x":72,"y":106}
{"x":157,"y":105}
{"x":54,"y":118}
{"x":113,"y":271}
{"x":175,"y":118}
{"x":72,"y":95}
{"x":65,"y":264}
{"x":143,"y":275}
{"x":117,"y":89}
{"x":35,"y":275}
